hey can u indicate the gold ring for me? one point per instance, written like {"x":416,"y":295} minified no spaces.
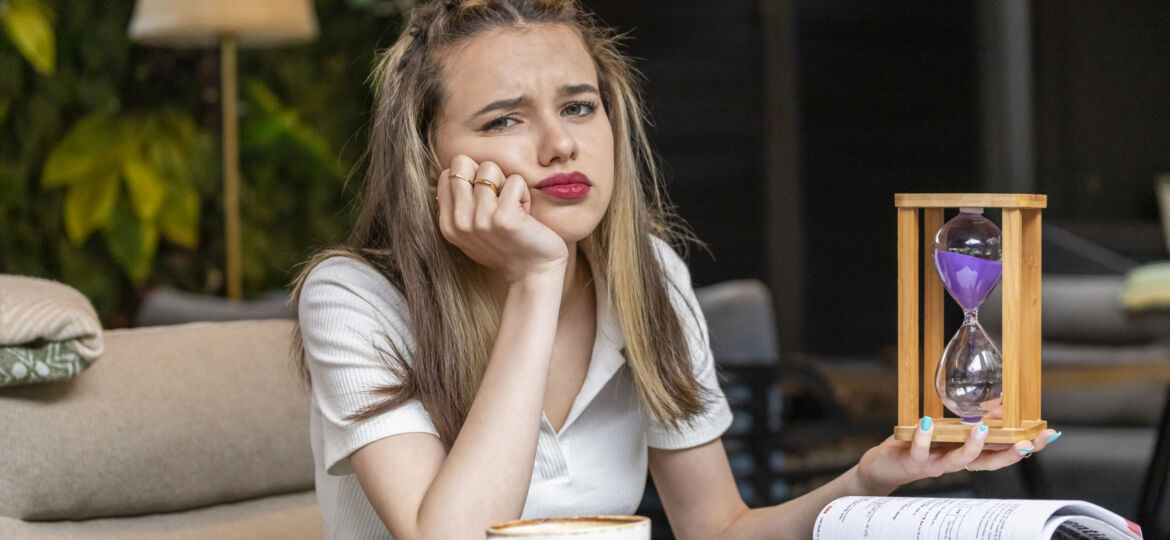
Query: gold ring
{"x":488,"y":183}
{"x":1028,"y":455}
{"x":968,"y":467}
{"x":460,"y":176}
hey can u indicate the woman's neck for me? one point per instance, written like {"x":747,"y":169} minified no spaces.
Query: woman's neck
{"x":577,"y":278}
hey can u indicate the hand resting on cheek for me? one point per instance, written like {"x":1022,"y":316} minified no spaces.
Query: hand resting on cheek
{"x":497,"y":231}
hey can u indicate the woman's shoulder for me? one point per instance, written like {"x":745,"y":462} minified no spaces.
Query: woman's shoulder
{"x":343,"y":265}
{"x":343,"y":276}
{"x":670,"y":259}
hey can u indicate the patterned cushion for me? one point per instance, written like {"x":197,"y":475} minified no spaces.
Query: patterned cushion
{"x":42,"y":361}
{"x":48,"y":331}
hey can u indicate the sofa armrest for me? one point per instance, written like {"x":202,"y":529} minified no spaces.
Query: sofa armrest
{"x":171,"y":418}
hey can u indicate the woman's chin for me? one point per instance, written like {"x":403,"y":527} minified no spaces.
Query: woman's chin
{"x":572,"y":228}
{"x":572,"y":235}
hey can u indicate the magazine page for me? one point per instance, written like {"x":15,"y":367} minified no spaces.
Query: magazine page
{"x":1081,"y":528}
{"x":944,"y":519}
{"x":1088,"y":509}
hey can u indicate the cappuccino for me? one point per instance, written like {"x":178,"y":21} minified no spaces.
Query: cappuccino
{"x":576,"y":528}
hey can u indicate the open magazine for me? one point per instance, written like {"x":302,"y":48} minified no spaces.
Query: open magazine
{"x":850,"y":518}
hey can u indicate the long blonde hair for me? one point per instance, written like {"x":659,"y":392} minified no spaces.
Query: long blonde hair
{"x":445,"y":291}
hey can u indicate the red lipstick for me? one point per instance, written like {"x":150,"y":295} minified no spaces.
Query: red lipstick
{"x":572,"y":185}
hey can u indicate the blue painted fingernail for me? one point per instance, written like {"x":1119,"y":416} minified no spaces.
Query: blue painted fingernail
{"x":1053,"y":437}
{"x":926,"y":423}
{"x":1025,"y":451}
{"x":981,"y":433}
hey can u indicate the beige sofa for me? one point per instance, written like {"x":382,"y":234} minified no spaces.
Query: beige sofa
{"x":188,"y":431}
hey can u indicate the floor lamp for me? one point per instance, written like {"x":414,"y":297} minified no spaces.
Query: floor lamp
{"x":228,"y":24}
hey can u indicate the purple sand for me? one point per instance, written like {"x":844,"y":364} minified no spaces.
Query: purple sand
{"x":967,"y":278}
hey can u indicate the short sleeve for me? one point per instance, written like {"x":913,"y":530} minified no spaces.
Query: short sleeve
{"x":347,"y":310}
{"x":716,"y":418}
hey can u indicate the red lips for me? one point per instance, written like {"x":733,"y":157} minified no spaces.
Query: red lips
{"x":572,"y":185}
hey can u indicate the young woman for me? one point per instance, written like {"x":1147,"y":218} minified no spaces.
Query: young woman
{"x":508,"y":333}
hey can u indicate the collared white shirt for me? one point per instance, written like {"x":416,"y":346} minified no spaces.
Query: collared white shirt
{"x":596,"y":463}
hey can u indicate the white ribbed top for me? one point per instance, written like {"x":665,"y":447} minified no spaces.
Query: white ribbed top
{"x":595,"y":465}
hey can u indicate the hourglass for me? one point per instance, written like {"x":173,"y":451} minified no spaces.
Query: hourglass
{"x":969,"y":377}
{"x":967,"y":259}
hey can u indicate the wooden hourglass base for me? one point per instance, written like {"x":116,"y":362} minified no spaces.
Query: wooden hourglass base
{"x":950,"y":430}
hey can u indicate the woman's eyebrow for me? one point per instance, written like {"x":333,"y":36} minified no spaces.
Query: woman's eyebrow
{"x":574,"y":89}
{"x":502,"y":104}
{"x":510,"y":103}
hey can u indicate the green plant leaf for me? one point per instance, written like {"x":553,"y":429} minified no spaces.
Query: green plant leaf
{"x":27,"y":25}
{"x":12,"y":184}
{"x":147,"y":187}
{"x":178,"y":125}
{"x":11,"y":73}
{"x":94,"y":275}
{"x":88,"y":206}
{"x":179,"y":218}
{"x":84,"y":151}
{"x":264,"y":98}
{"x":271,"y":122}
{"x":170,"y":158}
{"x":262,"y":131}
{"x":131,"y":242}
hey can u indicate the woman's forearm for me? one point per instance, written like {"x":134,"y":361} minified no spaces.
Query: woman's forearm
{"x":794,"y":519}
{"x":485,"y":477}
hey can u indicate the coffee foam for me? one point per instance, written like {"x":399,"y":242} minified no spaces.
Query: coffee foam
{"x":565,"y":524}
{"x":557,"y":526}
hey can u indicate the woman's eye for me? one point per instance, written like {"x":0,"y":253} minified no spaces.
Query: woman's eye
{"x":580,"y":108}
{"x":499,"y":124}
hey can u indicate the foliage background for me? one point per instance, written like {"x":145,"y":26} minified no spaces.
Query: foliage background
{"x":302,"y":128}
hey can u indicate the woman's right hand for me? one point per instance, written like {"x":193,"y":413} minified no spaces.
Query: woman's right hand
{"x":498,"y":232}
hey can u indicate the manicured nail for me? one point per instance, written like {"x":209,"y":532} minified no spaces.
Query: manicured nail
{"x":1025,"y":451}
{"x":926,"y":423}
{"x":981,"y":433}
{"x":1053,"y":437}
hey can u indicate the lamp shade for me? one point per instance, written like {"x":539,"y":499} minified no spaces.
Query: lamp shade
{"x":200,"y":23}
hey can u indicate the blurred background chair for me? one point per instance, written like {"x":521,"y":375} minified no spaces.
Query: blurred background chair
{"x":167,"y":305}
{"x":788,"y":433}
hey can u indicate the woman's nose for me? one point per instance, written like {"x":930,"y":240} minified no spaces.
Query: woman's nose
{"x":556,"y":144}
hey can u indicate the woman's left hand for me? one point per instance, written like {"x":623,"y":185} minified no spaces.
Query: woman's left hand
{"x":894,"y":463}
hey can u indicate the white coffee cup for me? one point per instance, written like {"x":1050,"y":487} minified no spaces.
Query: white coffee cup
{"x":574,"y":528}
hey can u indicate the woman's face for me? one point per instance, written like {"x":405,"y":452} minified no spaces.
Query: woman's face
{"x":528,"y":100}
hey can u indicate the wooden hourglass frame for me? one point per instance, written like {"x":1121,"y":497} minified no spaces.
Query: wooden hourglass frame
{"x":1021,"y":315}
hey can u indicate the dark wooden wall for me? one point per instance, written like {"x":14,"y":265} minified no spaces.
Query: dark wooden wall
{"x":1103,"y":117}
{"x":886,"y":99}
{"x":888,"y":103}
{"x":702,"y":64}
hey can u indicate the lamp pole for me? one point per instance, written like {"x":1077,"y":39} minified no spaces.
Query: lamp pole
{"x":201,"y":23}
{"x":231,"y":164}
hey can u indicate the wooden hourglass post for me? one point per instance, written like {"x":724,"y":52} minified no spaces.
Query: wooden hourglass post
{"x":1021,"y":315}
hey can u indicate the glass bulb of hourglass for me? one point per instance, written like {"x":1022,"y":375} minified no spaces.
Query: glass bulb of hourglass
{"x":967,"y":253}
{"x":969,"y":380}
